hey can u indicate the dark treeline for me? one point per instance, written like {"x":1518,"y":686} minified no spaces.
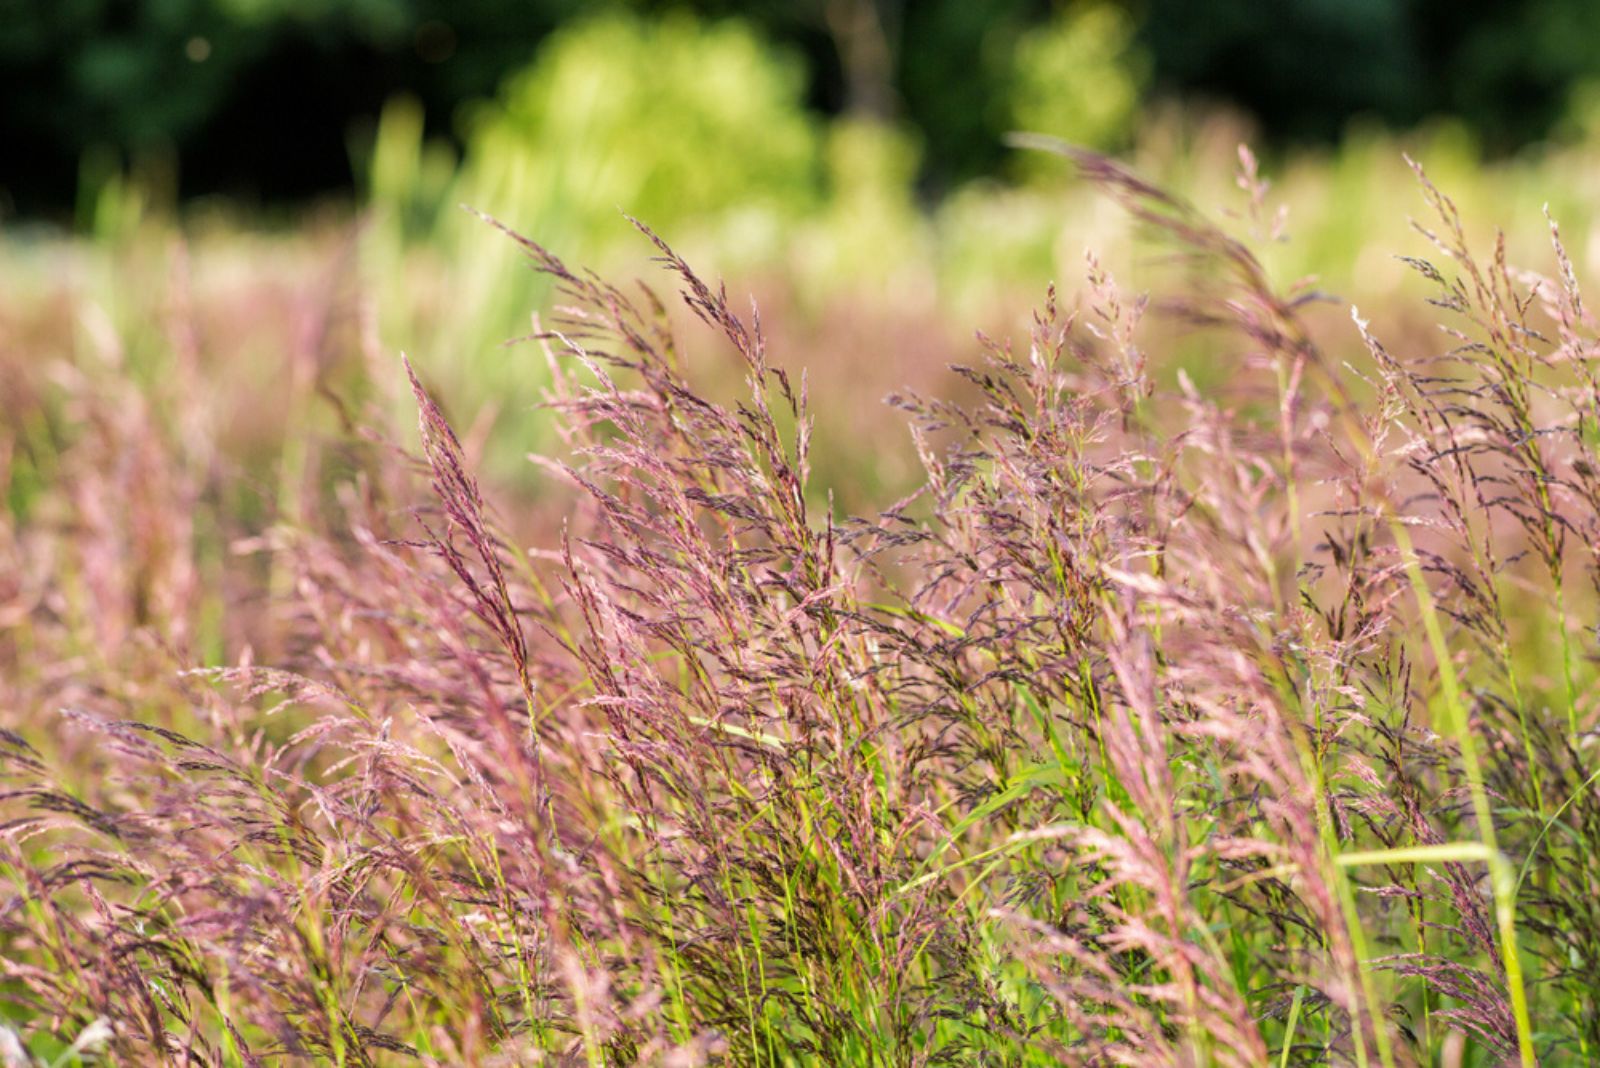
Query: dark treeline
{"x":260,"y":97}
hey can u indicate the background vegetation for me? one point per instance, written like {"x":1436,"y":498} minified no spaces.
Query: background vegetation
{"x":258,"y":97}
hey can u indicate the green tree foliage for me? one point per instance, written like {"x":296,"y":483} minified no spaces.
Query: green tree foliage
{"x":260,"y":96}
{"x":1508,"y":67}
{"x":254,"y":96}
{"x":1302,"y":67}
{"x":1079,"y":77}
{"x":668,"y":118}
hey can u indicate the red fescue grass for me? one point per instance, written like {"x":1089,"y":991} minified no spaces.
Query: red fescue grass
{"x":1157,"y":727}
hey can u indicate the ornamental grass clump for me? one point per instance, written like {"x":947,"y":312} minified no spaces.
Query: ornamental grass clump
{"x":1161,"y":726}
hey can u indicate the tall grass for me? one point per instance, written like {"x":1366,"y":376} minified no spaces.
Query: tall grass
{"x":1160,"y":725}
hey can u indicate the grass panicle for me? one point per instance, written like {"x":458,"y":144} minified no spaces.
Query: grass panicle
{"x":1222,"y":695}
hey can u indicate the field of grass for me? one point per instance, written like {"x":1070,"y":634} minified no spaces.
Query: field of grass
{"x":1199,"y":672}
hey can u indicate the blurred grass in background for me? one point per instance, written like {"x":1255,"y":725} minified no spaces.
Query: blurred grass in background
{"x":853,"y":222}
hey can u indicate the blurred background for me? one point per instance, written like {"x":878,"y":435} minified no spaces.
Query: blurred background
{"x":270,"y":103}
{"x":265,"y":196}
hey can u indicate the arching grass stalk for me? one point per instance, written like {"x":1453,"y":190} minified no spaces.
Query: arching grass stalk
{"x":1504,"y":884}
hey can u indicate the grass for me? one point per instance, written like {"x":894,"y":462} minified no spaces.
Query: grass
{"x":1240,"y":724}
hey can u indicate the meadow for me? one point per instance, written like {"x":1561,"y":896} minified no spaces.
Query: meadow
{"x":1188,"y":662}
